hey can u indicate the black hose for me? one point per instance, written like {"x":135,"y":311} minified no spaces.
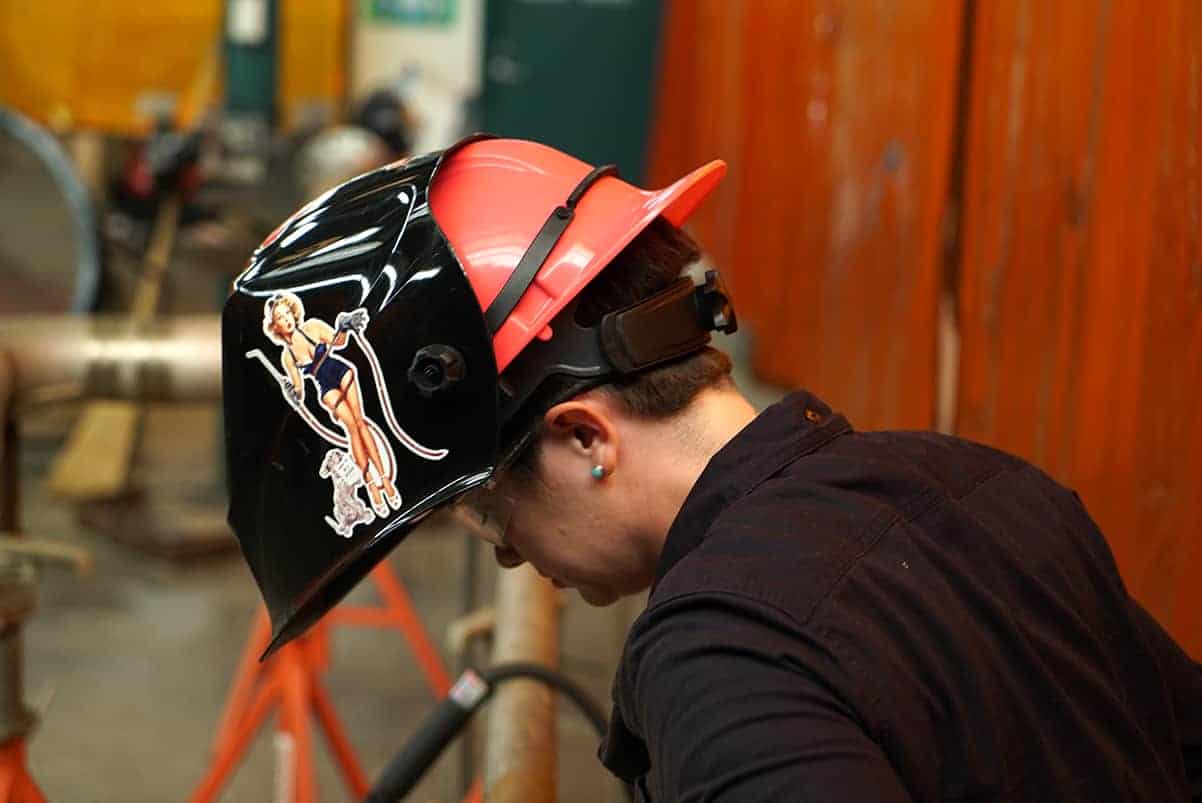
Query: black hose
{"x":560,"y":682}
{"x":452,"y":714}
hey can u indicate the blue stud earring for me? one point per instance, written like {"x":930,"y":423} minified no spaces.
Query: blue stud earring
{"x":598,"y":472}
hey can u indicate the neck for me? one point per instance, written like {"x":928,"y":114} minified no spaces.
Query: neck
{"x":677,"y":454}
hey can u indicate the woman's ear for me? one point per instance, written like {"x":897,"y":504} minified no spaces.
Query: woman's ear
{"x":587,"y":427}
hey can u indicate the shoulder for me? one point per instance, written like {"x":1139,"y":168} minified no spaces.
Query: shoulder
{"x":315,"y":327}
{"x":861,"y":460}
{"x":787,"y":541}
{"x":792,"y":537}
{"x":711,"y":683}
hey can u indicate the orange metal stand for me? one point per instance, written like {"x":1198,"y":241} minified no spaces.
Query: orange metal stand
{"x":16,"y":786}
{"x":290,"y":681}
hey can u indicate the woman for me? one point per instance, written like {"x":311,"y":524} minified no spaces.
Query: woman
{"x":309,"y":347}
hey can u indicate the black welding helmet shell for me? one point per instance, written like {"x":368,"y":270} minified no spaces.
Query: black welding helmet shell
{"x":380,"y":346}
{"x":382,"y":319}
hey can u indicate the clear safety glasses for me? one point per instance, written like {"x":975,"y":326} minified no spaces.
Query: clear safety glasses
{"x":486,"y":512}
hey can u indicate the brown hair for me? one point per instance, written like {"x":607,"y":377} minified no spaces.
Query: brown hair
{"x":651,"y":262}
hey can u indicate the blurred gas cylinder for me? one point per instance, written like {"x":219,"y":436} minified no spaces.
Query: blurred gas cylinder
{"x":337,"y":154}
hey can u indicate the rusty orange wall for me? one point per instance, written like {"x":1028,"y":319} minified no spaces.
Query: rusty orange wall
{"x":829,"y":222}
{"x":1081,"y":294}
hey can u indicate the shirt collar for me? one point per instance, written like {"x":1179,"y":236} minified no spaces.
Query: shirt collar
{"x":794,"y":426}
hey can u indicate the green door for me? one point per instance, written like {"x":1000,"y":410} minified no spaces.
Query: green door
{"x":250,"y":58}
{"x":576,"y":74}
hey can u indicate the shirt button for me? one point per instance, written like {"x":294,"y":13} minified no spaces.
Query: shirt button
{"x":812,"y":416}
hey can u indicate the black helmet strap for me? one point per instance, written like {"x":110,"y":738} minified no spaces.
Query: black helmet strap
{"x":528,"y":266}
{"x":669,"y":325}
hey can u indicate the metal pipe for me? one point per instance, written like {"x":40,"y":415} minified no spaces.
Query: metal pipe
{"x":9,"y":489}
{"x":17,"y":577}
{"x":17,"y":595}
{"x":6,"y":382}
{"x":520,"y":747}
{"x":172,"y":359}
{"x":469,"y":599}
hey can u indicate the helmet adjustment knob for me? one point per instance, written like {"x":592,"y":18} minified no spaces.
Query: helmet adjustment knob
{"x":715,"y":304}
{"x":436,"y":368}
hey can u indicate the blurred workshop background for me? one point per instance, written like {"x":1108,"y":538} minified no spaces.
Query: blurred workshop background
{"x":973,"y":216}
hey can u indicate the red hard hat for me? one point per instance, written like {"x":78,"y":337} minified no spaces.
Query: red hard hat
{"x":492,"y":196}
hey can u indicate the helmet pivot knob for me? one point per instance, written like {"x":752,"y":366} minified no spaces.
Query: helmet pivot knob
{"x":436,"y":368}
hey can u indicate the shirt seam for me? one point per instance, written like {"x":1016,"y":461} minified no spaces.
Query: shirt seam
{"x":822,"y":636}
{"x":837,"y":427}
{"x":870,"y":693}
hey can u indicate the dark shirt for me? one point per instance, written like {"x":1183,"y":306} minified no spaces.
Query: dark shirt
{"x":895,"y":616}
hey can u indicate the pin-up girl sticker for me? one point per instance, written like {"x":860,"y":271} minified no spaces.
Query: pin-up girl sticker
{"x":309,"y":354}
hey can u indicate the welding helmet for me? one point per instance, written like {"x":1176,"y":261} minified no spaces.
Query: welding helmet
{"x":380,"y":346}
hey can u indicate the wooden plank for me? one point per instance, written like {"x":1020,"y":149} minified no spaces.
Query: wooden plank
{"x":828,"y":226}
{"x":860,"y":310}
{"x":1081,"y":293}
{"x":781,"y":217}
{"x":722,"y":73}
{"x":95,"y":462}
{"x":1032,"y":140}
{"x":696,"y":115}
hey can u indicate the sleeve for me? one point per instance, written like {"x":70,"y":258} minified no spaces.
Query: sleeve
{"x":730,"y":711}
{"x":1183,"y":679}
{"x":1182,"y":675}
